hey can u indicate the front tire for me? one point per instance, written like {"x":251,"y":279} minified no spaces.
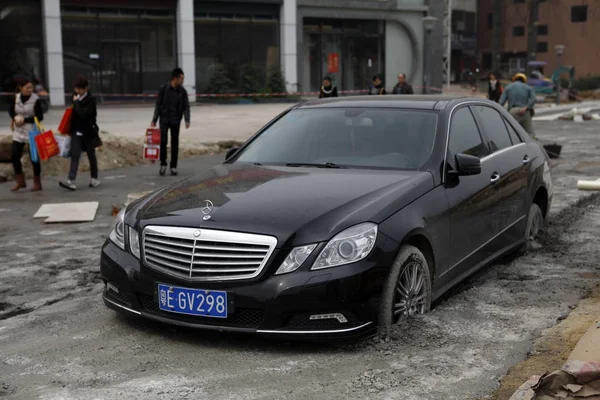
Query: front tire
{"x":407,"y":291}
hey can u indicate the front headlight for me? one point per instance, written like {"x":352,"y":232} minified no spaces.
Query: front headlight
{"x":117,"y":234}
{"x":350,"y":246}
{"x":295,"y":259}
{"x":134,"y":243}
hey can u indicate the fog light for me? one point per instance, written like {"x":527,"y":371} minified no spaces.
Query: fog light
{"x":340,"y":317}
{"x":112,"y":287}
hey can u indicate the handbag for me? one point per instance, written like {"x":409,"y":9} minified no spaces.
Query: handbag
{"x":64,"y":145}
{"x":96,"y":141}
{"x":65,"y":123}
{"x":46,"y":145}
{"x":33,"y":151}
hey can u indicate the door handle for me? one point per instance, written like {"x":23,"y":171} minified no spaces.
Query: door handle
{"x":526,"y":160}
{"x":495,"y":178}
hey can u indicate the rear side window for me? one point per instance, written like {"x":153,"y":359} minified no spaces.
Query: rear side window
{"x":464,"y":135}
{"x":494,"y":128}
{"x":514,"y":136}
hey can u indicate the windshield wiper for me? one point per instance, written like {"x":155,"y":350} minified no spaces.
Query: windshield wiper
{"x":317,"y":165}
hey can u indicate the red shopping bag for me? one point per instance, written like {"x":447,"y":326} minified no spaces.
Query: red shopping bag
{"x":153,"y":136}
{"x":46,"y":145}
{"x":65,"y":123}
{"x":151,"y":151}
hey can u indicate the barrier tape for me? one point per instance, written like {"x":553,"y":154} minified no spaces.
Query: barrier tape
{"x":229,"y":95}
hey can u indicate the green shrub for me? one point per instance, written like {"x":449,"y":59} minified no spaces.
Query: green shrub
{"x":587,"y":83}
{"x":220,"y":83}
{"x":252,"y":79}
{"x":277,"y":82}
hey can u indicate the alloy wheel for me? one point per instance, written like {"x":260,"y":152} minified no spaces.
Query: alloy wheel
{"x":411,"y":296}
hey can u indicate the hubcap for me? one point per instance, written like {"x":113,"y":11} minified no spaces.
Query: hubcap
{"x":411,"y":296}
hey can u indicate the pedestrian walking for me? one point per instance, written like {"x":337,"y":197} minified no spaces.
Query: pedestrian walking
{"x":328,"y":89}
{"x":402,"y":87}
{"x":84,"y":134}
{"x":172,"y":105}
{"x":23,"y":111}
{"x":494,"y":88}
{"x":377,"y":88}
{"x":521,"y":100}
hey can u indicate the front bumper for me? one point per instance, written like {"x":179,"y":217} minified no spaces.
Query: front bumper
{"x":267,"y":305}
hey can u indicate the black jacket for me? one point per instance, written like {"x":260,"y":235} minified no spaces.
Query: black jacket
{"x":494,"y":94}
{"x":38,"y":109}
{"x":405,"y":89}
{"x":169,"y":98}
{"x":332,"y":92}
{"x":377,"y":90}
{"x":84,"y":116}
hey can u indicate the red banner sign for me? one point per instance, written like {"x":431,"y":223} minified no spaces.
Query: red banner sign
{"x":333,"y":63}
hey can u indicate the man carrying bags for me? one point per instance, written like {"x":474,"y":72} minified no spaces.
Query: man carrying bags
{"x":172,"y":105}
{"x":521,"y":99}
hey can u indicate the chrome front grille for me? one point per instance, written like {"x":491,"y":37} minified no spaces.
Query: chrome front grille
{"x":206,"y":255}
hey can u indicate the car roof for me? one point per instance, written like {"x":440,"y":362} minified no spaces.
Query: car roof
{"x":418,"y":102}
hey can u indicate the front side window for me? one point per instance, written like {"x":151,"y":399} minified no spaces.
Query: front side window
{"x":493,"y":125}
{"x":346,"y":137}
{"x":464,"y":135}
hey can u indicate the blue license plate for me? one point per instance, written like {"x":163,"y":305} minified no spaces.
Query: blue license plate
{"x":205,"y":303}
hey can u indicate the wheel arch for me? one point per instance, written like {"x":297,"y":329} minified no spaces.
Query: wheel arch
{"x":419,"y":239}
{"x":540,"y":197}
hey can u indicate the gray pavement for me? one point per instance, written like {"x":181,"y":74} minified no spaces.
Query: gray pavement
{"x":58,"y":341}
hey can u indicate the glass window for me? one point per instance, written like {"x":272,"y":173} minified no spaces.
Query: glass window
{"x":464,"y":135}
{"x":518,"y":30}
{"x":579,"y":13}
{"x":21,"y":50}
{"x":353,"y":137}
{"x":494,"y":128}
{"x":120,"y":50}
{"x":542,"y":47}
{"x":514,"y":136}
{"x":237,"y":47}
{"x":542,"y":30}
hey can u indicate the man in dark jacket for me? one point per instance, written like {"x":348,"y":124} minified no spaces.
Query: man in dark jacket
{"x":402,"y":87}
{"x":172,"y":105}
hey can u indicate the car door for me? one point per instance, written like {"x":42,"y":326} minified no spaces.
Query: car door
{"x":509,"y":156}
{"x":474,"y":201}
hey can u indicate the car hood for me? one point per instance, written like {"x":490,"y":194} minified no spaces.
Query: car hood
{"x":295,"y":205}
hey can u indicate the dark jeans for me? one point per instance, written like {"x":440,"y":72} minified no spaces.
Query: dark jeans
{"x":79,"y":144}
{"x":164,"y":138}
{"x":17,"y":153}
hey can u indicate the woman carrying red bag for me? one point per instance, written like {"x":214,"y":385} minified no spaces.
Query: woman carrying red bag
{"x":84,"y":134}
{"x":23,"y":111}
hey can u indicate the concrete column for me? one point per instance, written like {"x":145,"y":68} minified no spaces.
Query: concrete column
{"x":186,"y":50}
{"x":54,"y":51}
{"x":289,"y":43}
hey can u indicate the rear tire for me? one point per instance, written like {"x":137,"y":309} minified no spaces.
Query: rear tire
{"x":535,"y":226}
{"x":407,"y":291}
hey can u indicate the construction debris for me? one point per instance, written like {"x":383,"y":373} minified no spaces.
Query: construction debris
{"x":68,"y":212}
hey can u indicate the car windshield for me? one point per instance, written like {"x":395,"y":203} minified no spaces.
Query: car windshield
{"x":345,"y":138}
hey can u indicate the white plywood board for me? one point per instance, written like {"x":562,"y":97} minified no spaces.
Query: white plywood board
{"x":46,"y":210}
{"x":68,"y":212}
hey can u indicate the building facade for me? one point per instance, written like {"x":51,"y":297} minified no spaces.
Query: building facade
{"x":564,"y":22}
{"x":129,"y":47}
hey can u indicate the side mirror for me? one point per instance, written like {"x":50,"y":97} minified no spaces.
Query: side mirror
{"x":231,"y":152}
{"x":467,"y":165}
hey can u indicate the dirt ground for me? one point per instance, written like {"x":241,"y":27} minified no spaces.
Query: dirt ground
{"x":551,"y":351}
{"x":58,"y":341}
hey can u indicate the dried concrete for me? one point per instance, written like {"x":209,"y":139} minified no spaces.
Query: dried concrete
{"x":58,"y":341}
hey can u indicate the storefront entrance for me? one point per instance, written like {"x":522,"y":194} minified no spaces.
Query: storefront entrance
{"x":121,"y":70}
{"x":350,"y":51}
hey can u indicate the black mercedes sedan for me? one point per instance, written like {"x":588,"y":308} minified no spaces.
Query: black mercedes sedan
{"x":338,"y":217}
